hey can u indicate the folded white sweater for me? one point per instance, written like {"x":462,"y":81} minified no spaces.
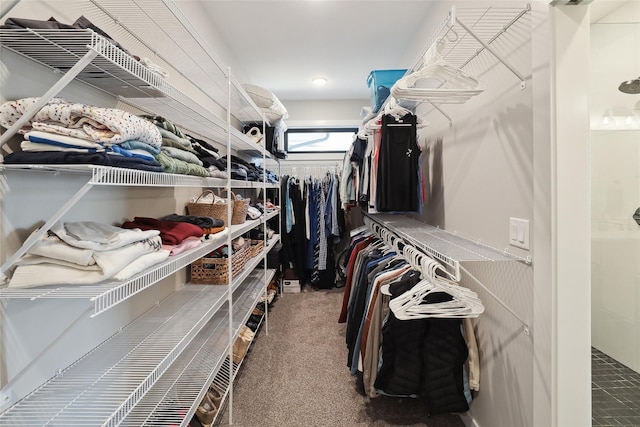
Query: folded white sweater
{"x":35,"y":270}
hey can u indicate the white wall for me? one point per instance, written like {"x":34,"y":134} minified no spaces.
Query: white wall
{"x":570,"y":215}
{"x":615,"y":178}
{"x":39,"y":337}
{"x":324,"y":113}
{"x":479,"y":176}
{"x":521,"y":153}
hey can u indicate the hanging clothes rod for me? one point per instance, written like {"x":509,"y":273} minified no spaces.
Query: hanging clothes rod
{"x":394,"y":225}
{"x":315,"y":171}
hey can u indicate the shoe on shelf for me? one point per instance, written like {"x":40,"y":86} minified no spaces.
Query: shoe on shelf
{"x":215,"y":396}
{"x":206,"y":412}
{"x":273,"y":286}
{"x":195,"y":422}
{"x":247,"y":333}
{"x":257,"y":312}
{"x":270,"y":296}
{"x":252,"y":325}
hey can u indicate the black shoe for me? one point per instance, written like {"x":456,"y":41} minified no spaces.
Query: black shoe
{"x":252,"y":325}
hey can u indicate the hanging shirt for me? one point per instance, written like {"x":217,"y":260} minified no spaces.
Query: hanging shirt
{"x":397,"y":183}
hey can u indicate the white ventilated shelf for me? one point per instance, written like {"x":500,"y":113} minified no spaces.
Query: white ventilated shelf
{"x":175,"y":397}
{"x":106,"y":295}
{"x":446,"y":247}
{"x":252,"y":263}
{"x":487,"y":23}
{"x":115,"y":72}
{"x":464,"y":34}
{"x":112,"y":70}
{"x":176,"y":41}
{"x":112,"y":176}
{"x":102,"y":387}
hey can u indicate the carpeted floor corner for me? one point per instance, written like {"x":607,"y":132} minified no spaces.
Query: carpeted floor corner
{"x":297,"y":374}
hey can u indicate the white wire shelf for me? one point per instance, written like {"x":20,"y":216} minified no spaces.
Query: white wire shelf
{"x":444,"y":246}
{"x":252,"y":263}
{"x":118,"y":73}
{"x":112,"y":70}
{"x":175,"y":397}
{"x":103,"y":386}
{"x":176,"y":41}
{"x":463,"y":35}
{"x":487,"y":23}
{"x":109,"y":294}
{"x":112,"y":176}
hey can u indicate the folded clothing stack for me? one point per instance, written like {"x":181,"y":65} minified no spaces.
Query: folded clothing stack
{"x":80,"y":253}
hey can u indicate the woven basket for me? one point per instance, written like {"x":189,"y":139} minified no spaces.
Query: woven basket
{"x":214,"y":210}
{"x":214,"y":271}
{"x":240,"y":208}
{"x":255,"y":247}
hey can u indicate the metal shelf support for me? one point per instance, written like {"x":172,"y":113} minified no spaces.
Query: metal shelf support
{"x":37,"y":235}
{"x":53,"y":91}
{"x":523,"y":83}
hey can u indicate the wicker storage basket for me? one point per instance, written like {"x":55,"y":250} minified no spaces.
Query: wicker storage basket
{"x":214,"y":271}
{"x":214,"y":210}
{"x":255,"y":247}
{"x":240,"y":207}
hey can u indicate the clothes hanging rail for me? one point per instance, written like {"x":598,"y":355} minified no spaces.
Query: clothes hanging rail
{"x":445,"y":247}
{"x":315,"y":171}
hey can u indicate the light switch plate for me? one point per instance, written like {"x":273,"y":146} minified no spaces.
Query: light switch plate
{"x":519,"y":233}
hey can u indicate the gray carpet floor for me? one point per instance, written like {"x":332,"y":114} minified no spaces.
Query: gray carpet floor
{"x":297,"y":374}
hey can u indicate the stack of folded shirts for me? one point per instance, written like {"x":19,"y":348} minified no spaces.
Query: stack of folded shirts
{"x":177,"y":236}
{"x":79,"y":253}
{"x":176,"y":153}
{"x":68,"y":133}
{"x":209,"y":225}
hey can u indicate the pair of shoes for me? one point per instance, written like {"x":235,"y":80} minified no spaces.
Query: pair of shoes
{"x":252,"y":325}
{"x":206,"y":412}
{"x":271,"y":294}
{"x":257,"y":312}
{"x":214,"y":395}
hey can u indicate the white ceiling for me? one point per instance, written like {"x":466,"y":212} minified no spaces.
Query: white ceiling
{"x":282,"y":45}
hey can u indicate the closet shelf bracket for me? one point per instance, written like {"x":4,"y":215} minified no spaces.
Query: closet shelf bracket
{"x":443,"y":113}
{"x":37,"y":235}
{"x":523,"y":83}
{"x":52,"y":92}
{"x":525,"y":325}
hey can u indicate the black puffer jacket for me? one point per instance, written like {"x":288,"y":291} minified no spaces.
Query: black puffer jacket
{"x":401,"y":370}
{"x":424,"y":357}
{"x":444,"y":352}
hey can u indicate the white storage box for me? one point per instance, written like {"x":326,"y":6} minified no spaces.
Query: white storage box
{"x":290,"y":286}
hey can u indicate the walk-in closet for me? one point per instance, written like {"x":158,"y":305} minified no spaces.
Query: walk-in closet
{"x":319,"y":213}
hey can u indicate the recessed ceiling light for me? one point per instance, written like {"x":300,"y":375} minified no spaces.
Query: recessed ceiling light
{"x":319,"y":81}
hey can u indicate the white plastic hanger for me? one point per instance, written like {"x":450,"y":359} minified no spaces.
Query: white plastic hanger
{"x":452,"y":85}
{"x":411,"y":304}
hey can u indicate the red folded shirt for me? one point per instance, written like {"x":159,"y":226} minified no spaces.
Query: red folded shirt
{"x":171,"y":232}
